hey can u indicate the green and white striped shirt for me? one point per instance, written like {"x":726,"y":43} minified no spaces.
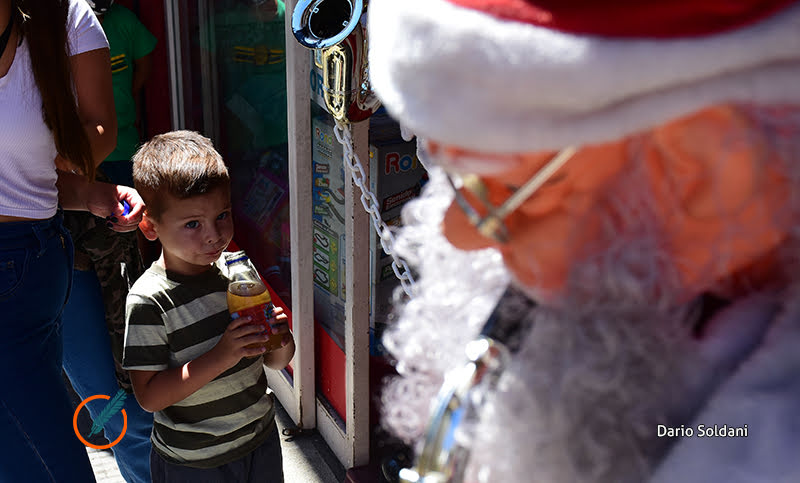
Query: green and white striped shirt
{"x":172,"y":319}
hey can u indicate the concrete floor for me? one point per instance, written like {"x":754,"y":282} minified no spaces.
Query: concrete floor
{"x":306,"y":458}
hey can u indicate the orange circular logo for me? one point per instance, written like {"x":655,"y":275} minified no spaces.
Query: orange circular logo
{"x":83,"y":440}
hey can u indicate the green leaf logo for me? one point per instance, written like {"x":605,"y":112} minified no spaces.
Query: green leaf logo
{"x":112,"y":407}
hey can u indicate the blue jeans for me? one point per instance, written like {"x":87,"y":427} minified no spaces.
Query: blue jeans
{"x":38,"y":442}
{"x":90,"y":366}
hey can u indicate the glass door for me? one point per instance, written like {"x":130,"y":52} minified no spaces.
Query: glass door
{"x":232,"y":75}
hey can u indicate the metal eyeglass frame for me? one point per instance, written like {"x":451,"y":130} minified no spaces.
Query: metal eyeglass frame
{"x":491,"y":225}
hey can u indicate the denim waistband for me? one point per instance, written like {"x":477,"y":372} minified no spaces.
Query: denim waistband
{"x":21,"y":234}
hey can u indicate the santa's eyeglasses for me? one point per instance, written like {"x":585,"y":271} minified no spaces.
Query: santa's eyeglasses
{"x":491,"y":225}
{"x":446,"y":450}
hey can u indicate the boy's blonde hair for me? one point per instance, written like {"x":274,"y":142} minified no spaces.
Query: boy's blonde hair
{"x":181,"y":164}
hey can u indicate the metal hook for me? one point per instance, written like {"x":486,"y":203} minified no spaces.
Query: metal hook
{"x":334,"y":28}
{"x":319,"y":24}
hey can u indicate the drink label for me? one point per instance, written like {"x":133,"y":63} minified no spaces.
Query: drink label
{"x":258,"y":313}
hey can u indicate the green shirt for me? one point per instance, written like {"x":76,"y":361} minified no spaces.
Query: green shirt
{"x":128,"y":40}
{"x":251,"y":57}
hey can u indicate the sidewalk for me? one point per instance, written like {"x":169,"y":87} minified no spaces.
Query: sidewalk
{"x":306,"y":458}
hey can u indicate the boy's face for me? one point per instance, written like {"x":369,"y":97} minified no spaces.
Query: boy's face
{"x":193,"y":231}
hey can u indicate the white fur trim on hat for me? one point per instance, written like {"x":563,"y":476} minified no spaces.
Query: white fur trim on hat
{"x":463,"y":77}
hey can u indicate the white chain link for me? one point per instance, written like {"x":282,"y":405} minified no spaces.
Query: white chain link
{"x":344,"y":135}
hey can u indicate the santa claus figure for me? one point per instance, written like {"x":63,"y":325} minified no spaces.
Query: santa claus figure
{"x":632,"y":170}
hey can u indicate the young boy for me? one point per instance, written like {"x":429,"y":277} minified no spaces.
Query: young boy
{"x":189,"y":364}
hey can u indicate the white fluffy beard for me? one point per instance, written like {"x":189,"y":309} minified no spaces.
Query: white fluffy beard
{"x":582,"y":398}
{"x":455,"y":293}
{"x":572,"y":406}
{"x":595,"y":375}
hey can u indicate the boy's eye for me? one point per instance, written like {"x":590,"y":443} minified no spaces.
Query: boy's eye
{"x":223,"y":215}
{"x":192,"y":224}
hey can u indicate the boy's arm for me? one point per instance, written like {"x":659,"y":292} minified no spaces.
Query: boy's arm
{"x":280,"y":358}
{"x":156,"y":390}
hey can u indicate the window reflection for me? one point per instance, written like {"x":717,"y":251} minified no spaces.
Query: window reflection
{"x":248,"y":50}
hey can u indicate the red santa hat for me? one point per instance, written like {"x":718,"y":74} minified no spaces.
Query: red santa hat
{"x":529,"y":75}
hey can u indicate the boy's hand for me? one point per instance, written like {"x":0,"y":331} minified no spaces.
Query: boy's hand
{"x":279,"y":358}
{"x":279,"y":324}
{"x":240,"y":334}
{"x":272,"y":318}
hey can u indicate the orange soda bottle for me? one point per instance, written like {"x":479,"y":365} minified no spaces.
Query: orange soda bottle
{"x":248,"y":296}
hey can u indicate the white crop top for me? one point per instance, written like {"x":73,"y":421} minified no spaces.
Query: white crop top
{"x":27,"y":149}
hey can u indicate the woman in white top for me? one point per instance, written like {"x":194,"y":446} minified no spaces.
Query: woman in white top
{"x":57,"y":123}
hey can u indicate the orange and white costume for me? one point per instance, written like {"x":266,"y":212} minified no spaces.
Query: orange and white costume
{"x":686,"y":120}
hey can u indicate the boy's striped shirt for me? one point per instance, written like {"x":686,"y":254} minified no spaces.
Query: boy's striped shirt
{"x":172,"y":319}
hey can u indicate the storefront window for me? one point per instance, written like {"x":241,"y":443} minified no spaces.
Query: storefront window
{"x":234,"y":90}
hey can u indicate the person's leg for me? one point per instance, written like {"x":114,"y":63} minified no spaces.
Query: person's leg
{"x":262,"y":465}
{"x":35,"y":410}
{"x":266,"y":461}
{"x":90,"y":366}
{"x":157,"y":467}
{"x":163,"y":471}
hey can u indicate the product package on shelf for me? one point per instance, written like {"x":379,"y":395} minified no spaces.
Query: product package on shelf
{"x":396,"y":176}
{"x":329,"y":228}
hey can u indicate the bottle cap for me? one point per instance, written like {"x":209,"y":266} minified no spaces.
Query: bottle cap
{"x":237,"y":259}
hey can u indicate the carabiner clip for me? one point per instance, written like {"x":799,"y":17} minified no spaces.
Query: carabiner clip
{"x":444,"y":455}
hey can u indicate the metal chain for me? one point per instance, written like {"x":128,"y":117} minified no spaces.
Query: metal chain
{"x":344,"y":135}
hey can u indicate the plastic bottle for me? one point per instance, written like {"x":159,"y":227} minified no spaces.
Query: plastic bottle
{"x":248,"y":296}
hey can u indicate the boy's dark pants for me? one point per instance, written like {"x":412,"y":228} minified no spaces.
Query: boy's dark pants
{"x":262,"y":465}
